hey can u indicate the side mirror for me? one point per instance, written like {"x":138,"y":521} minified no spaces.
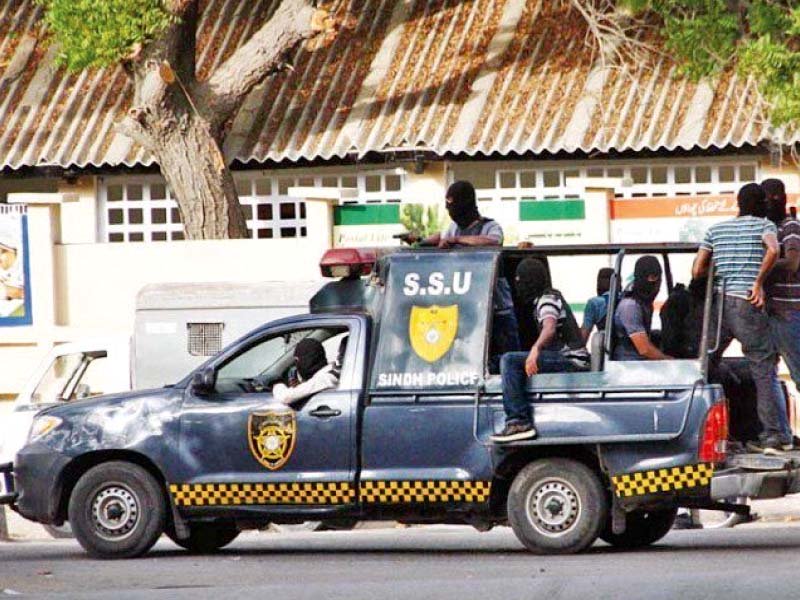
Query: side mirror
{"x":204,"y":381}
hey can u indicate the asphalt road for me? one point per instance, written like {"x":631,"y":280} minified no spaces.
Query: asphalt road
{"x":753,"y":561}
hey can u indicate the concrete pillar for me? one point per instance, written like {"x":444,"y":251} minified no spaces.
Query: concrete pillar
{"x":78,"y":216}
{"x":598,"y":194}
{"x":320,"y":203}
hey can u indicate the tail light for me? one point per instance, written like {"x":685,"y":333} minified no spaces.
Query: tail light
{"x":714,"y":439}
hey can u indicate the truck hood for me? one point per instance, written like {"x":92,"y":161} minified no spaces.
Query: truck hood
{"x":116,"y":421}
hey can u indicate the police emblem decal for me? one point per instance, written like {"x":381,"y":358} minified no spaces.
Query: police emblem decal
{"x":432,"y":330}
{"x":272,"y":435}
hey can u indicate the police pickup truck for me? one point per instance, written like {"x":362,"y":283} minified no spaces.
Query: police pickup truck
{"x":405,"y":435}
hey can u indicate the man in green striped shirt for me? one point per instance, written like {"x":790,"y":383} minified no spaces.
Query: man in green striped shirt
{"x":743,"y":251}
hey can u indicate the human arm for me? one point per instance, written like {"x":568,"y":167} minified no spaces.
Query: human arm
{"x":412,"y":238}
{"x":771,"y":253}
{"x":547,"y":334}
{"x":702,"y":263}
{"x":322,"y":380}
{"x":646,"y":348}
{"x":791,"y":246}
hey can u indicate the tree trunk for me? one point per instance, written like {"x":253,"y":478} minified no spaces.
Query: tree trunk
{"x":193,"y":165}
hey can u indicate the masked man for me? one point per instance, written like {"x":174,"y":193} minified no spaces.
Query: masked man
{"x":469,"y":228}
{"x":634,"y":314}
{"x":743,"y":251}
{"x":594,"y":315}
{"x":314,"y":373}
{"x":558,"y":348}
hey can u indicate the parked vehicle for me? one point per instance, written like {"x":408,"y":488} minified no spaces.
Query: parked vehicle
{"x":177,"y":327}
{"x":404,"y":436}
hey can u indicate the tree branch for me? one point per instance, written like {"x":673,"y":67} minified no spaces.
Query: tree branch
{"x":219,"y":97}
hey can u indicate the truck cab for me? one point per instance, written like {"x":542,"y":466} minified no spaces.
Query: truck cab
{"x":405,"y":433}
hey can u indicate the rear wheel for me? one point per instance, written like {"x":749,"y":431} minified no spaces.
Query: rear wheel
{"x":205,"y":538}
{"x":557,"y":506}
{"x":117,"y":510}
{"x":642,"y":528}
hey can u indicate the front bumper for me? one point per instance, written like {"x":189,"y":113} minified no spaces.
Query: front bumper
{"x":757,"y":476}
{"x":8,"y":494}
{"x":38,"y":479}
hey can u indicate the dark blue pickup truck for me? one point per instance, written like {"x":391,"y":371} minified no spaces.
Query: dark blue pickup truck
{"x":405,"y":434}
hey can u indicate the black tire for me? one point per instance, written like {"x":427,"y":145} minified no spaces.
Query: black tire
{"x":59,"y":532}
{"x":205,"y":538}
{"x":540,"y":495}
{"x":642,"y":528}
{"x":117,"y":510}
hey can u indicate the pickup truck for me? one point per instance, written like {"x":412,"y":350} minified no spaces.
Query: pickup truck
{"x":406,"y":433}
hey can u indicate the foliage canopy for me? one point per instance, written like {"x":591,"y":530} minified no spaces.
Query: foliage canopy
{"x":98,"y":33}
{"x":761,"y":37}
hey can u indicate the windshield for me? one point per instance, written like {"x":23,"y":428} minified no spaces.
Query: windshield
{"x":56,"y":379}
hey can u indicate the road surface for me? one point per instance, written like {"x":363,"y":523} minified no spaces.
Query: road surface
{"x":752,"y":561}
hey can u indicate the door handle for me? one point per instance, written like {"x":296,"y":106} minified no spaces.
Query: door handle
{"x":325,"y":412}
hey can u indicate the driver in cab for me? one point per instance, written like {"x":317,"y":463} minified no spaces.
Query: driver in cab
{"x":314,"y":373}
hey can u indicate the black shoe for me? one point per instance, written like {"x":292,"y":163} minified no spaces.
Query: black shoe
{"x":768,"y":447}
{"x":515,"y":432}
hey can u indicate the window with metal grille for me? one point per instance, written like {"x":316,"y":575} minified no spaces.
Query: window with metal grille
{"x":205,"y":339}
{"x":140,"y":208}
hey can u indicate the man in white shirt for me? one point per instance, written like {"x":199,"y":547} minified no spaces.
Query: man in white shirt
{"x":314,"y":372}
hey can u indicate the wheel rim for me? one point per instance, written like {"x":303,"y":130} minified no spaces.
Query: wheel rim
{"x":553,"y":507}
{"x":115,"y":512}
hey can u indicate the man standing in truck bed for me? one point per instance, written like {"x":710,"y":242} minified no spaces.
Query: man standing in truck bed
{"x":469,"y":228}
{"x":743,"y":251}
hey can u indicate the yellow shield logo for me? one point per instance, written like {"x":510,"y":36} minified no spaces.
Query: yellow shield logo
{"x":272,"y":435}
{"x":432,"y":330}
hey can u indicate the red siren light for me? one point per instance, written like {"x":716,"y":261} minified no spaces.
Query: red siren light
{"x":347,"y":262}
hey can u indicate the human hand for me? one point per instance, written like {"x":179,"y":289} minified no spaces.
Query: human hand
{"x":446,"y":243}
{"x":408,"y":238}
{"x":532,"y":362}
{"x":756,"y":296}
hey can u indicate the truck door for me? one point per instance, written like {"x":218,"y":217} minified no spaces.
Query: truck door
{"x":418,"y":445}
{"x":238,"y":445}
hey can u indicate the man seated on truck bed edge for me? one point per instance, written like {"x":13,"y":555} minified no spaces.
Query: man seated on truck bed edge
{"x":558,"y":348}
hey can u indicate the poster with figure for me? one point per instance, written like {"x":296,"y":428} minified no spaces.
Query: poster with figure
{"x":15,"y":292}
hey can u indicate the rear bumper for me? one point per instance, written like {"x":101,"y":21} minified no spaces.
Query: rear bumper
{"x":756,"y":476}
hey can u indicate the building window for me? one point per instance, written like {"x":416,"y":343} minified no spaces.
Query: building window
{"x":647,"y":178}
{"x":142,"y":209}
{"x":205,"y":339}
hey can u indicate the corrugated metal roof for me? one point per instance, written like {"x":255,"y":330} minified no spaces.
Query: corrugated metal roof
{"x":449,"y":76}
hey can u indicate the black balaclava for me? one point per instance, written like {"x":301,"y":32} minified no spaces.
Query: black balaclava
{"x":776,"y":200}
{"x":604,"y":280}
{"x":643,"y":289}
{"x":463,"y":207}
{"x":310,"y":357}
{"x":752,"y":201}
{"x":532,"y":279}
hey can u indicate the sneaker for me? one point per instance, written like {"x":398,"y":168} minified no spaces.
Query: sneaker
{"x":768,"y":447}
{"x":515,"y":432}
{"x":787,"y":446}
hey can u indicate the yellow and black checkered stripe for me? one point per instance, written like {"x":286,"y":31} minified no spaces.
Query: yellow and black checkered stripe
{"x":225,"y":494}
{"x":415,"y":492}
{"x":662,"y":480}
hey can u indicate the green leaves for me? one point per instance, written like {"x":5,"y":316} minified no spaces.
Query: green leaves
{"x":761,"y":37}
{"x":97,"y":33}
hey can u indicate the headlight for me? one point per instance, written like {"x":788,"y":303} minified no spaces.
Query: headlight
{"x":42,"y":426}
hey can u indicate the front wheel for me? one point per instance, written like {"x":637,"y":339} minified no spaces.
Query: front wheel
{"x":642,"y":528}
{"x":205,"y":538}
{"x":557,"y":506}
{"x":117,"y":510}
